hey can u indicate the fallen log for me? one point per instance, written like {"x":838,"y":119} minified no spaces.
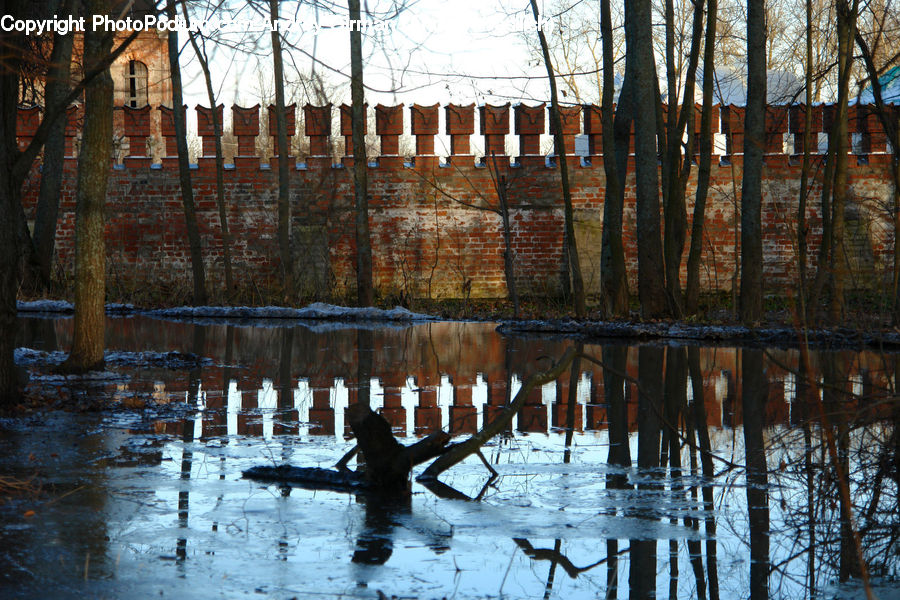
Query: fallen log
{"x":315,"y":478}
{"x":385,"y":466}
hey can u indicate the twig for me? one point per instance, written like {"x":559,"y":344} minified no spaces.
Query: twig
{"x":486,"y":463}
{"x":459,"y":452}
{"x":342,"y":464}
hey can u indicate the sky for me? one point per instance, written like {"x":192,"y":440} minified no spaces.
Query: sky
{"x":458,"y":51}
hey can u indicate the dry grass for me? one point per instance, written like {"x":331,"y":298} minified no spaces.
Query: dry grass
{"x":15,"y":486}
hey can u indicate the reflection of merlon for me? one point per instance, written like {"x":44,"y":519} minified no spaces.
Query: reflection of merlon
{"x":463,"y":413}
{"x":393,"y":409}
{"x":327,"y":398}
{"x":321,"y":413}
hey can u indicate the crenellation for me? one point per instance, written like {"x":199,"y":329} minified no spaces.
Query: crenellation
{"x":206,"y":127}
{"x":570,"y":120}
{"x":494,"y":126}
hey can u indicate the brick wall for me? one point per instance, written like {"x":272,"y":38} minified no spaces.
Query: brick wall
{"x":435,"y":226}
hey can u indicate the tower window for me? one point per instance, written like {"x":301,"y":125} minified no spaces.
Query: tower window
{"x":136,"y":84}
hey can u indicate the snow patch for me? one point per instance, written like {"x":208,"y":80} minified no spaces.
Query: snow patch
{"x":115,"y":308}
{"x":30,"y":356}
{"x":95,"y":377}
{"x":162,"y":360}
{"x":315,"y":311}
{"x":54,"y":306}
{"x":67,"y":308}
{"x":677,"y":332}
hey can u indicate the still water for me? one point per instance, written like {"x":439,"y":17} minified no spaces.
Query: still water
{"x":655,"y":471}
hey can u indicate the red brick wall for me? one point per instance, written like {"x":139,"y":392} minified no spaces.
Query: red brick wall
{"x":435,"y":229}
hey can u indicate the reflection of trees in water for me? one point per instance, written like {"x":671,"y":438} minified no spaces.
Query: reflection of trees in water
{"x":793,"y":487}
{"x":754,"y":388}
{"x":615,"y":360}
{"x":187,"y":456}
{"x":862,"y":424}
{"x":650,"y":396}
{"x":701,"y":445}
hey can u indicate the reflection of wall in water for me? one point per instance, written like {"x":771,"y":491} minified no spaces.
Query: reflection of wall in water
{"x":447,"y":374}
{"x":316,"y":406}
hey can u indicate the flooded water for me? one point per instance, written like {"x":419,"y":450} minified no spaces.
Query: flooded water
{"x":656,"y":471}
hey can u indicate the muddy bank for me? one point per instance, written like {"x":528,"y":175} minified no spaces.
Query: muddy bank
{"x":777,"y":336}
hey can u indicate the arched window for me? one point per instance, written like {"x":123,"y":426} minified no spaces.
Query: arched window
{"x":136,"y":84}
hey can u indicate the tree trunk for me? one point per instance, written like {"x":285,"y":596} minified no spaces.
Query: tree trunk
{"x":639,"y":44}
{"x":284,"y":178}
{"x":846,"y":25}
{"x":509,"y":270}
{"x":56,"y":89}
{"x":90,"y":201}
{"x":365,"y":293}
{"x":10,"y":192}
{"x":692,"y":287}
{"x":623,"y":132}
{"x":613,"y":274}
{"x":571,"y":248}
{"x":678,"y":166}
{"x":220,"y":163}
{"x":184,"y":170}
{"x":674,"y":210}
{"x":802,"y":226}
{"x":754,"y":144}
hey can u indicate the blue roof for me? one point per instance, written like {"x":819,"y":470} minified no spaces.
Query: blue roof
{"x":890,"y":88}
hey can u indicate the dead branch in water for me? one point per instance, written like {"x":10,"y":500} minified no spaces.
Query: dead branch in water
{"x":460,"y":452}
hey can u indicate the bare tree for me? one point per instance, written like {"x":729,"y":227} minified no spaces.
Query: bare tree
{"x":284,"y":179}
{"x":364,"y":285}
{"x":645,"y":88}
{"x":203,"y":58}
{"x":692,"y":287}
{"x":676,"y":165}
{"x":871,"y":46}
{"x":754,"y":143}
{"x":501,"y":186}
{"x":198,"y":270}
{"x":56,"y":88}
{"x":571,"y":247}
{"x":802,"y":226}
{"x":15,"y":165}
{"x":832,"y":259}
{"x":613,"y":274}
{"x":90,"y":202}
